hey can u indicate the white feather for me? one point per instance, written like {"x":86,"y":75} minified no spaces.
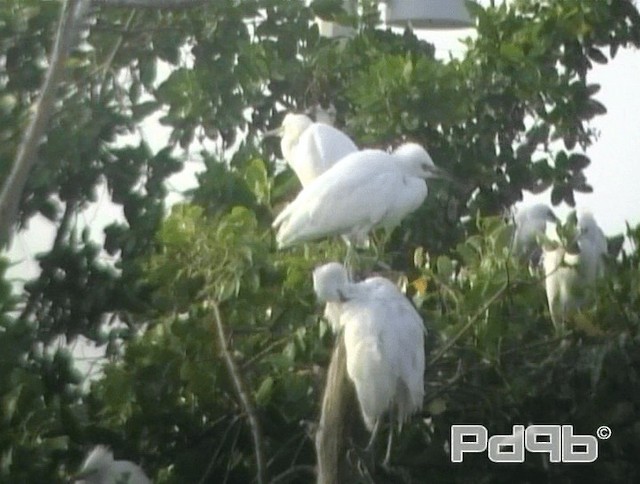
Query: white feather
{"x":312,"y":148}
{"x":568,"y":275}
{"x":384,"y":341}
{"x":100,"y":468}
{"x":364,"y":190}
{"x":529,"y":223}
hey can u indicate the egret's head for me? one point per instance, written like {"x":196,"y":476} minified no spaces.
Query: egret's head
{"x":330,"y":281}
{"x":588,"y":227}
{"x":538,"y":212}
{"x":416,"y":161}
{"x":292,"y":126}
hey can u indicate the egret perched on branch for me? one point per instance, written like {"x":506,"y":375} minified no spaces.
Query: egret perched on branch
{"x":529,"y":223}
{"x":311,"y":148}
{"x":100,"y":468}
{"x":364,"y":190}
{"x":568,"y":275}
{"x":384,"y":341}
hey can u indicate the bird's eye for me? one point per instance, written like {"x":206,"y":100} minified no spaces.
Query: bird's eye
{"x":425,"y":167}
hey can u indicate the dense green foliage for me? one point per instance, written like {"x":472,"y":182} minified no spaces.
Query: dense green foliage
{"x":166,"y":399}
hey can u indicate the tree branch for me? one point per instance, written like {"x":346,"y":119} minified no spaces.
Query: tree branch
{"x":71,"y":16}
{"x":241,"y":392}
{"x":156,"y":4}
{"x":332,"y":430}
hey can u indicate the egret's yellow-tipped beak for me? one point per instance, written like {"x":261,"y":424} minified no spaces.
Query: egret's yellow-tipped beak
{"x":436,"y":172}
{"x":274,"y":132}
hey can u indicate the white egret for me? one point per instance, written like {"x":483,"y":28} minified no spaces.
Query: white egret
{"x":364,"y":190}
{"x":384,"y":342}
{"x":311,"y":148}
{"x":100,"y":468}
{"x":529,"y":223}
{"x":568,"y":275}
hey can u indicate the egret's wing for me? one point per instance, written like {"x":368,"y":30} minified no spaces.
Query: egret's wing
{"x":404,"y":343}
{"x":591,"y":262}
{"x":372,"y":374}
{"x":404,"y":199}
{"x":351,"y":196}
{"x":320,"y":146}
{"x":384,"y":339}
{"x":333,"y":313}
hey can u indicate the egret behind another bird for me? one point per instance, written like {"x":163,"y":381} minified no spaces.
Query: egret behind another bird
{"x":384,"y":341}
{"x":567,"y":274}
{"x":311,"y":148}
{"x":100,"y":468}
{"x":529,"y":223}
{"x":364,"y":190}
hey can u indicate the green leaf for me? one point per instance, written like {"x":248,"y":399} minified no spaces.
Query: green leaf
{"x":596,"y":55}
{"x":512,"y":52}
{"x":578,"y":161}
{"x":445,"y":267}
{"x":265,"y":391}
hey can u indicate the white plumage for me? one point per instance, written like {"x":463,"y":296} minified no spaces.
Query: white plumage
{"x":529,"y":223}
{"x":364,"y":190}
{"x":384,"y":341}
{"x":311,"y":148}
{"x":100,"y":468}
{"x":568,"y":275}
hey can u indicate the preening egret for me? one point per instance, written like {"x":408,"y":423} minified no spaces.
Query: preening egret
{"x":529,"y":223}
{"x":384,"y":341}
{"x":100,"y":468}
{"x":568,"y":275}
{"x":311,"y":148}
{"x":364,"y":190}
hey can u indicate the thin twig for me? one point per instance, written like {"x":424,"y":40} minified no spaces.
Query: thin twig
{"x":106,"y":65}
{"x":213,"y":459}
{"x":268,"y":349}
{"x":464,"y":329}
{"x":242,"y":394}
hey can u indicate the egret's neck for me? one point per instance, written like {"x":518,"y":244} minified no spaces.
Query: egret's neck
{"x":291,"y":137}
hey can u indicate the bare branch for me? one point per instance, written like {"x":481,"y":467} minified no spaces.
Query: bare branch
{"x":155,"y":4}
{"x":71,"y":20}
{"x":241,"y":392}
